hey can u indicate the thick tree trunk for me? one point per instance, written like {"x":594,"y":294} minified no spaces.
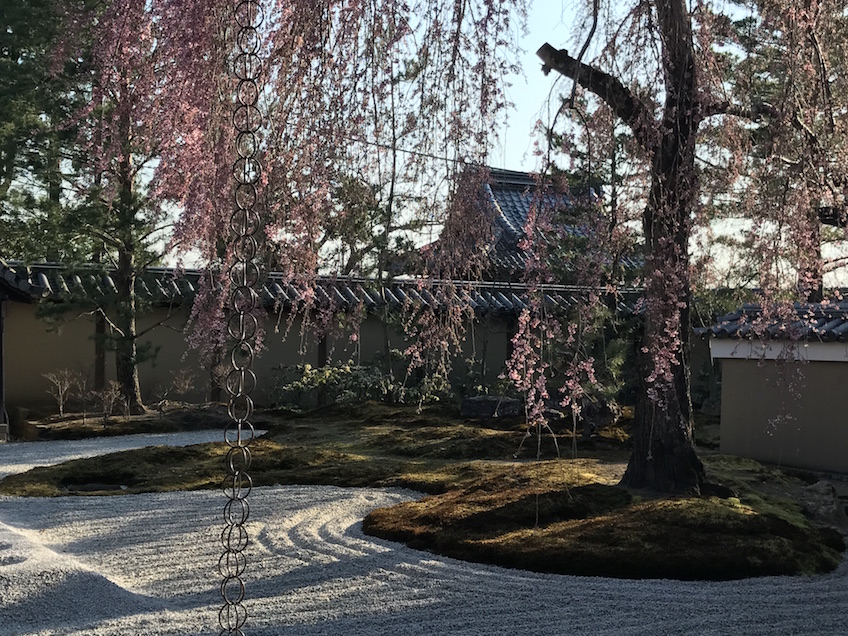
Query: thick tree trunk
{"x":99,"y":352}
{"x":126,"y":371}
{"x":664,"y":457}
{"x":99,"y":335}
{"x":126,"y":353}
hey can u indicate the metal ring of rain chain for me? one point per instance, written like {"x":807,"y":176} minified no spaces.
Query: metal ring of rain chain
{"x":241,"y":324}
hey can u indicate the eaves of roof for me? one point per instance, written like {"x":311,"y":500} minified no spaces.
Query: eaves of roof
{"x":17,"y":286}
{"x":167,"y":286}
{"x":811,"y":322}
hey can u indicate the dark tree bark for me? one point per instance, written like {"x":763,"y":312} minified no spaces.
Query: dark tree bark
{"x":99,"y":338}
{"x":663,"y":457}
{"x":99,"y":352}
{"x":126,"y":350}
{"x":811,"y":276}
{"x":126,"y":353}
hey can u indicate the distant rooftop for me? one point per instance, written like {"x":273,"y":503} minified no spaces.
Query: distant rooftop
{"x":512,"y":195}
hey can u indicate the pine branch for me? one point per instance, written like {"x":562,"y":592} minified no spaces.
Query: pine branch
{"x":109,"y":321}
{"x":156,"y":324}
{"x":160,"y":228}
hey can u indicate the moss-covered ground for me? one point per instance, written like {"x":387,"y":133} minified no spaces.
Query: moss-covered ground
{"x":485,"y":502}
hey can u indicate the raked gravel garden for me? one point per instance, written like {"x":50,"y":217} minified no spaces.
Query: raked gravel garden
{"x":146,"y":564}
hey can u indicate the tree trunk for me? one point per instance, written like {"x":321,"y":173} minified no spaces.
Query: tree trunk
{"x":126,"y":355}
{"x":663,"y":457}
{"x":99,"y":352}
{"x":811,"y":276}
{"x":99,"y":333}
{"x":323,"y":361}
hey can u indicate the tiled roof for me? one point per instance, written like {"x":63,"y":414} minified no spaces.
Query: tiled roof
{"x":511,"y":196}
{"x":57,"y":283}
{"x":165,"y":286}
{"x":824,"y":322}
{"x":484,"y":297}
{"x":17,"y":285}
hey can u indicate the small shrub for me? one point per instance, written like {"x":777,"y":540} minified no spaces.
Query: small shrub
{"x":62,"y":382}
{"x":108,"y":398}
{"x":305,"y":385}
{"x":182,"y":381}
{"x":82,"y":392}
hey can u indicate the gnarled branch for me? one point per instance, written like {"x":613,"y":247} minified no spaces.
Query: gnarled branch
{"x":616,"y":95}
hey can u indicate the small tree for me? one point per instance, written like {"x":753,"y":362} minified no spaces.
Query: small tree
{"x":108,"y":398}
{"x":95,"y":196}
{"x":182,"y":381}
{"x":82,"y":391}
{"x":62,"y":381}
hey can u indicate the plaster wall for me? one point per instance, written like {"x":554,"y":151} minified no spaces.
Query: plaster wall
{"x":787,"y":413}
{"x":34,"y":347}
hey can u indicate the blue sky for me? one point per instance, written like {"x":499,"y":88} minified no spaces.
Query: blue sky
{"x":548,"y":21}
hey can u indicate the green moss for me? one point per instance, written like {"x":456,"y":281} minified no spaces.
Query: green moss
{"x":601,"y":530}
{"x":757,"y":485}
{"x":554,"y":516}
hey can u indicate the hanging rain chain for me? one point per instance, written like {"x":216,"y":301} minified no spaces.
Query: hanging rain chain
{"x":241,"y":323}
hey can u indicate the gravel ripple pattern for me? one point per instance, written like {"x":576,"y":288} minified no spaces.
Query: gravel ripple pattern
{"x":146,"y":565}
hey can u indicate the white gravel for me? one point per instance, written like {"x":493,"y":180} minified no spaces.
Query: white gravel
{"x":18,"y":457}
{"x":146,"y":565}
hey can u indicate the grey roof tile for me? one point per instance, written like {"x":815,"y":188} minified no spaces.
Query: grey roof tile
{"x":16,"y":285}
{"x":165,"y":286}
{"x":416,"y":298}
{"x":397,"y":299}
{"x":511,"y":196}
{"x":826,"y":322}
{"x":338,"y":298}
{"x":322,"y":297}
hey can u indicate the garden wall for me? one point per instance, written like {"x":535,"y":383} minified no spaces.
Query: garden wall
{"x":34,"y":347}
{"x":787,"y":413}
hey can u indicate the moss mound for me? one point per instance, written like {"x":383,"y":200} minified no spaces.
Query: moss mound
{"x":603,"y":530}
{"x":563,"y":516}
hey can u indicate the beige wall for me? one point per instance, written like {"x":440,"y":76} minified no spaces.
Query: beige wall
{"x":171,"y":354}
{"x":786,"y":413}
{"x":34,"y":347}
